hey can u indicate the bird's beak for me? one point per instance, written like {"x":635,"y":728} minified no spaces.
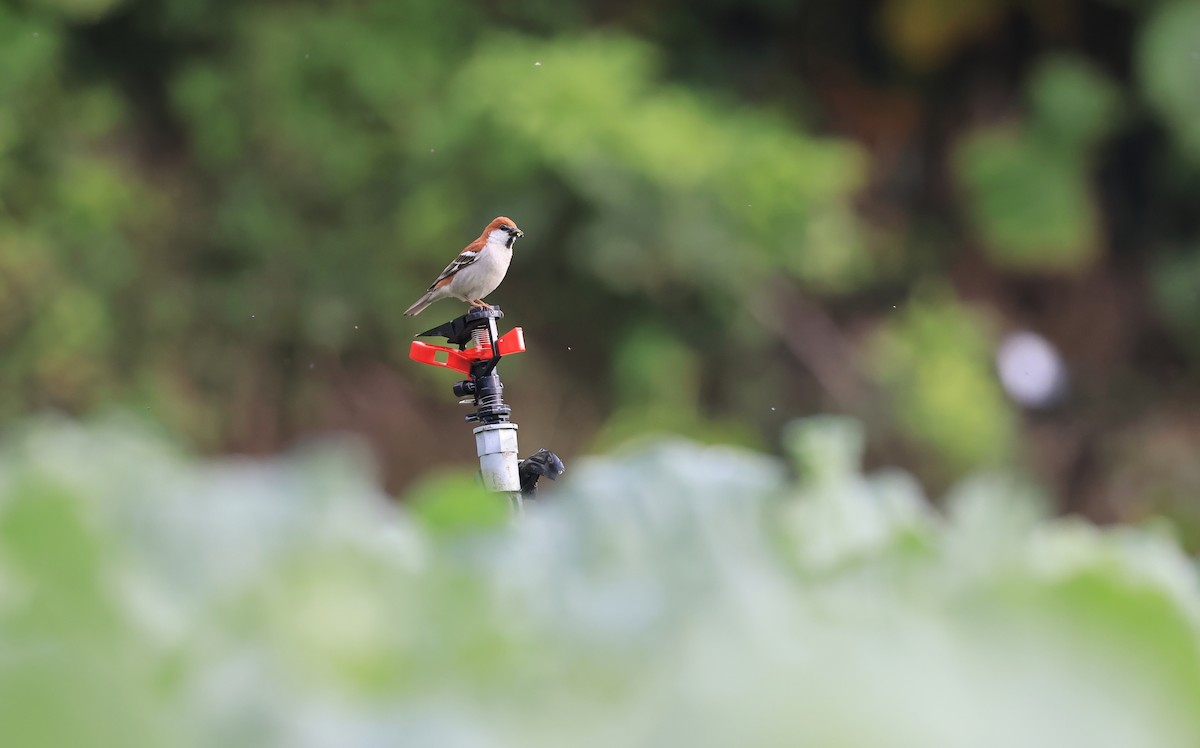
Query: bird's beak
{"x":518,"y":232}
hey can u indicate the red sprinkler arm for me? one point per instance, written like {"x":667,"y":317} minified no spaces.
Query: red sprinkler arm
{"x":460,"y":360}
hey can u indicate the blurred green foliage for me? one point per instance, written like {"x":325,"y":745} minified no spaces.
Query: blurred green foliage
{"x":1029,"y":190}
{"x":1168,"y":65}
{"x":674,"y":595}
{"x":213,"y":212}
{"x":334,"y":155}
{"x":934,"y":359}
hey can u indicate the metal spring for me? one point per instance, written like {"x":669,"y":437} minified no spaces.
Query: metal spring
{"x":481,"y":338}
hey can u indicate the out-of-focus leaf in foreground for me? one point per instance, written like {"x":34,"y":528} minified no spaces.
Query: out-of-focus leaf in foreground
{"x":672,"y":595}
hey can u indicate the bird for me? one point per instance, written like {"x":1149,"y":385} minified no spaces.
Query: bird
{"x":477,"y":270}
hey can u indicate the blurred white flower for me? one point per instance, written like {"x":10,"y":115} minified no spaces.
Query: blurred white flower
{"x":1031,"y":370}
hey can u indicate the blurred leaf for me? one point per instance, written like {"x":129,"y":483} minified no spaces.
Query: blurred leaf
{"x":826,"y":449}
{"x":1168,"y":67}
{"x":1027,"y":189}
{"x":1176,"y":282}
{"x":935,"y":360}
{"x":1028,"y":200}
{"x":456,"y":503}
{"x":673,"y":594}
{"x":1073,"y":102}
{"x":202,"y":95}
{"x":29,"y":50}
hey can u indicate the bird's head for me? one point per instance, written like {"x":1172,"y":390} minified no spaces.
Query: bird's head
{"x":503,"y":230}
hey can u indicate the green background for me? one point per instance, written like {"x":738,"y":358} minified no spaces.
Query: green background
{"x":736,"y":213}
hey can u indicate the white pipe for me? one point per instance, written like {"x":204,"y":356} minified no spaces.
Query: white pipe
{"x":496,"y":445}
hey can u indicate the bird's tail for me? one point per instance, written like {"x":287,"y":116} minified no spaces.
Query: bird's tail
{"x":420,"y":304}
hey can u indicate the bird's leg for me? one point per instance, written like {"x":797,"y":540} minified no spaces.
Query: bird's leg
{"x":475,"y":303}
{"x":484,"y":305}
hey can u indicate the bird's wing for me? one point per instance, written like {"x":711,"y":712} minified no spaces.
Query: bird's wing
{"x":466,"y":257}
